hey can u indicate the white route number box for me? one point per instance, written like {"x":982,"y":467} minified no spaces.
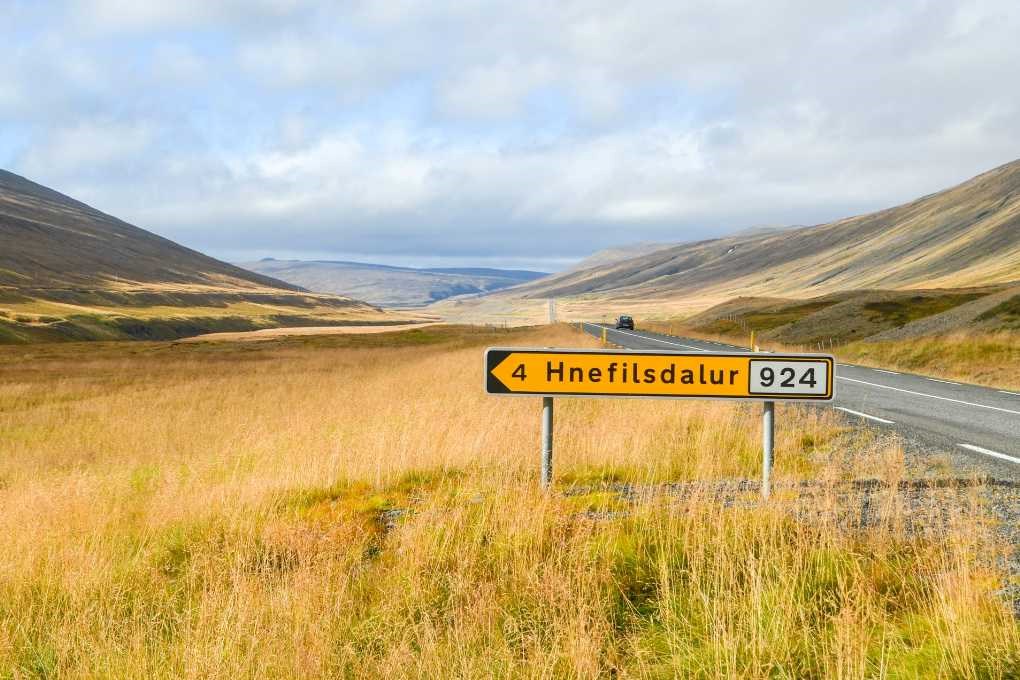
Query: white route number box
{"x":776,"y":376}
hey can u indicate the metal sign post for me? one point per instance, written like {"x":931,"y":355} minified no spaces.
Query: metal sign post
{"x":768,"y":436}
{"x":547,"y":441}
{"x":768,"y":430}
{"x":747,"y":376}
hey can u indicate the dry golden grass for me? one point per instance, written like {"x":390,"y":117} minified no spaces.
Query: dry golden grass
{"x":991,"y":359}
{"x":45,"y":310}
{"x":503,"y":308}
{"x":354,"y":506}
{"x":271,"y":333}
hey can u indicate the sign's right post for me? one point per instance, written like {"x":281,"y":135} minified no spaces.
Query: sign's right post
{"x":768,"y":429}
{"x":768,"y":439}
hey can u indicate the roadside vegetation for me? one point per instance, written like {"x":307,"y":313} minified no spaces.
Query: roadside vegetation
{"x":991,"y":359}
{"x":355,"y":506}
{"x":986,"y":353}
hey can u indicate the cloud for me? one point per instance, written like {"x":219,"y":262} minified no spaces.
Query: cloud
{"x":494,"y":90}
{"x":177,"y":63}
{"x":127,"y":16}
{"x":517,"y":130}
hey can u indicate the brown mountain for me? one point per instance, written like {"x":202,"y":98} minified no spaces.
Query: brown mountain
{"x":968,"y":235}
{"x":49,"y":240}
{"x":69,"y":271}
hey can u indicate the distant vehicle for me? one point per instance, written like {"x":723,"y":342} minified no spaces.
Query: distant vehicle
{"x":625,"y":322}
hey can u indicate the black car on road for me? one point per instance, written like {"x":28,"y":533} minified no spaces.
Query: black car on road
{"x":625,"y":322}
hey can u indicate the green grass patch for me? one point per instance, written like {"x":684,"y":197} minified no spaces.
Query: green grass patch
{"x":765,"y":319}
{"x":598,"y":501}
{"x":1006,"y":313}
{"x":345,"y":499}
{"x":902,"y":312}
{"x":595,"y":475}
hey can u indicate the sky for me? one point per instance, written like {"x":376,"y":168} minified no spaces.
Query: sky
{"x":520,"y":134}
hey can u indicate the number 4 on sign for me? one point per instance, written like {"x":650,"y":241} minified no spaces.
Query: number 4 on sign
{"x":519,"y":373}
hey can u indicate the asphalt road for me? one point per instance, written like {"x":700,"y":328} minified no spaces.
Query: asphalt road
{"x":981,"y":424}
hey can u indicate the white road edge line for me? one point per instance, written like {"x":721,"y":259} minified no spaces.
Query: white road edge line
{"x":930,"y":396}
{"x":989,"y":452}
{"x":865,"y":415}
{"x":1015,"y":394}
{"x":947,"y":382}
{"x":665,"y":342}
{"x":882,"y":370}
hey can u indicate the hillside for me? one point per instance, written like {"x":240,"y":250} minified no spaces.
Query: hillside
{"x":609,"y":256}
{"x":390,"y":286}
{"x":968,"y":235}
{"x":48,"y":240}
{"x":69,"y":271}
{"x":848,"y":316}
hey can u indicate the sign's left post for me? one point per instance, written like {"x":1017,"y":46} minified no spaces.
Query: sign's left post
{"x":547,"y":441}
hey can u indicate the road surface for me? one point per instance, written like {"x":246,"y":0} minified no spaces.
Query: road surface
{"x":980,"y":423}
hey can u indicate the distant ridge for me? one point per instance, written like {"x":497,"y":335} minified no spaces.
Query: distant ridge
{"x":391,"y":286}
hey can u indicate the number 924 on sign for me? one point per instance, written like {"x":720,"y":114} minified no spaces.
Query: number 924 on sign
{"x":786,"y":377}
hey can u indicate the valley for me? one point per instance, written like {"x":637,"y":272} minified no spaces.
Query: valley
{"x":389,"y":286}
{"x":479,"y":340}
{"x":966,"y":237}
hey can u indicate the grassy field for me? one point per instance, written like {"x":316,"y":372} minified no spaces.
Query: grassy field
{"x":354,"y":506}
{"x":849,"y":316}
{"x":991,"y":359}
{"x":501,"y":308}
{"x":168,"y":314}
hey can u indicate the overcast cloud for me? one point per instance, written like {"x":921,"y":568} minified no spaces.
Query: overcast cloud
{"x":510,"y":133}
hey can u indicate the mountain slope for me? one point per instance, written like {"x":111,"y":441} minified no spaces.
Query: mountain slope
{"x":391,"y":286}
{"x":69,"y":271}
{"x":48,"y":240}
{"x":965,"y":236}
{"x":609,"y":256}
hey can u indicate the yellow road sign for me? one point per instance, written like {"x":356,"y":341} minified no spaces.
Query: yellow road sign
{"x":634,"y":373}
